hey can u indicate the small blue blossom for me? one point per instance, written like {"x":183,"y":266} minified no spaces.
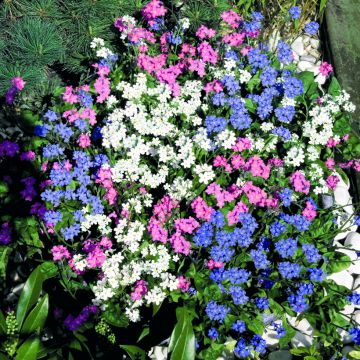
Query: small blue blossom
{"x":286,"y":248}
{"x":286,"y":196}
{"x":354,"y":298}
{"x":239,"y":326}
{"x":216,"y":312}
{"x":311,"y":253}
{"x":285,"y":113}
{"x":277,"y":228}
{"x":204,"y":235}
{"x":284,"y":53}
{"x":312,"y":28}
{"x":51,"y":116}
{"x":238,"y":295}
{"x":297,"y":302}
{"x":262,"y":303}
{"x":295,"y":12}
{"x":213,"y":334}
{"x":289,"y":270}
{"x":316,"y":275}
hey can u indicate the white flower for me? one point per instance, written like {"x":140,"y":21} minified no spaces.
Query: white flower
{"x":205,"y":173}
{"x":245,"y":76}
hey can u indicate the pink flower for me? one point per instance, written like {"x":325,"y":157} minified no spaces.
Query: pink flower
{"x":231,"y":18}
{"x":233,"y":216}
{"x":257,"y":167}
{"x":332,"y":181}
{"x":309,"y":212}
{"x":95,"y":258}
{"x":27,"y":155}
{"x":18,"y":83}
{"x":255,"y":195}
{"x":236,"y":39}
{"x":183,"y":283}
{"x":207,"y":53}
{"x":186,"y":225}
{"x":153,"y":10}
{"x":330,"y":163}
{"x":237,"y":162}
{"x":59,"y":252}
{"x":204,"y":32}
{"x":201,"y":209}
{"x":242,"y":144}
{"x":299,"y":182}
{"x":140,"y":290}
{"x":84,"y":141}
{"x":214,"y":264}
{"x":221,"y":161}
{"x":69,"y":97}
{"x":214,"y":85}
{"x":106,"y":243}
{"x":326,"y":68}
{"x":111,"y":195}
{"x":180,"y":244}
{"x":156,"y":231}
{"x":332,"y":142}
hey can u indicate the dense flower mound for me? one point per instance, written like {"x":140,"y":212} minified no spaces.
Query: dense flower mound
{"x":197,"y":170}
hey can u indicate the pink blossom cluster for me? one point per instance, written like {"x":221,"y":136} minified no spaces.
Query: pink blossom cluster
{"x":140,"y":290}
{"x":104,"y":177}
{"x":299,"y":182}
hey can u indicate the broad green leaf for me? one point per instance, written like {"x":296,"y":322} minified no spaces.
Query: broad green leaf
{"x":114,"y":316}
{"x":339,"y":264}
{"x":28,"y":350}
{"x":134,"y":352}
{"x":334,"y":87}
{"x":37,"y":317}
{"x":299,"y":351}
{"x":307,"y":78}
{"x":29,"y":295}
{"x":355,"y":354}
{"x":48,"y":270}
{"x":4,"y":256}
{"x":3,"y":357}
{"x":182,"y":341}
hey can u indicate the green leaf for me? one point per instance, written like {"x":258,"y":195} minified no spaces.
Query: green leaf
{"x":299,"y":351}
{"x":144,"y":333}
{"x":182,"y":341}
{"x":337,"y":265}
{"x":307,"y":78}
{"x":113,"y":315}
{"x":28,"y":350}
{"x":48,"y":270}
{"x":4,"y":257}
{"x":334,"y":87}
{"x":134,"y":352}
{"x":37,"y":317}
{"x":29,"y":295}
{"x":2,"y":323}
{"x":355,"y":354}
{"x":3,"y":357}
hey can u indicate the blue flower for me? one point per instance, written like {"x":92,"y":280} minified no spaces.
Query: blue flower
{"x":282,"y":132}
{"x":260,"y":259}
{"x":280,"y":330}
{"x":53,"y":217}
{"x":217,"y":219}
{"x":277,"y":228}
{"x":311,"y":253}
{"x":50,"y":115}
{"x":295,"y":12}
{"x":262,"y":303}
{"x":238,"y":295}
{"x":268,"y":76}
{"x":213,"y":334}
{"x":216,"y":312}
{"x":354,"y":298}
{"x":70,"y":232}
{"x":305,"y":289}
{"x":64,"y":131}
{"x":219,"y":99}
{"x":239,"y":326}
{"x":286,"y":248}
{"x":316,"y":275}
{"x":241,"y":349}
{"x":42,"y":130}
{"x":257,"y":60}
{"x":284,"y":53}
{"x":285,"y":114}
{"x":259,"y":343}
{"x":355,"y":335}
{"x":285,"y":196}
{"x":289,"y":270}
{"x":237,"y":276}
{"x":297,"y":302}
{"x":221,"y":253}
{"x":293,"y":87}
{"x":204,"y":235}
{"x":215,"y":124}
{"x":312,"y":28}
{"x":52,"y":151}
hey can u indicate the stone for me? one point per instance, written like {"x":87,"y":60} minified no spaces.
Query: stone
{"x":309,"y":58}
{"x":315,"y":53}
{"x":302,"y":340}
{"x":342,"y":196}
{"x":273,"y":40}
{"x":356,"y":317}
{"x":353,"y":241}
{"x":315,"y":69}
{"x":302,"y":325}
{"x":350,"y":253}
{"x":315,"y":43}
{"x":320,"y":79}
{"x":345,"y":336}
{"x":158,"y":353}
{"x":304,"y":65}
{"x":343,"y":278}
{"x":298,"y":46}
{"x":346,"y":349}
{"x":280,"y":355}
{"x":306,"y":39}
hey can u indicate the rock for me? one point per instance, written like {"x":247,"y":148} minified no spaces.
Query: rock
{"x":346,"y":350}
{"x":315,"y":69}
{"x":273,"y":40}
{"x":356,"y":317}
{"x":158,"y":353}
{"x":315,"y":53}
{"x":348,"y":309}
{"x":353,"y":241}
{"x":320,"y":79}
{"x":327,"y":201}
{"x":350,"y":253}
{"x":304,"y":65}
{"x":345,"y":336}
{"x":280,"y":355}
{"x":302,"y":340}
{"x":308,"y":58}
{"x":270,"y":335}
{"x":306,"y":39}
{"x":303,"y":325}
{"x":342,"y":196}
{"x":315,"y":43}
{"x":342,"y":278}
{"x":356,"y":285}
{"x":354,"y":268}
{"x":298,"y":46}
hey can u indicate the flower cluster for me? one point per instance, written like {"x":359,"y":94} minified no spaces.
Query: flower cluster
{"x":198,"y":175}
